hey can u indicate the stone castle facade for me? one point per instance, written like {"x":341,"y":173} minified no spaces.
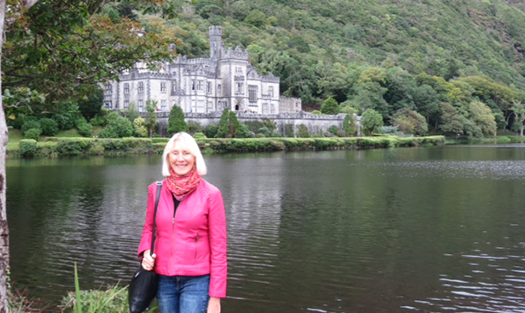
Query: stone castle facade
{"x":203,"y":85}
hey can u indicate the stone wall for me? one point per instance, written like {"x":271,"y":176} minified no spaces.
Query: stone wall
{"x":314,"y":123}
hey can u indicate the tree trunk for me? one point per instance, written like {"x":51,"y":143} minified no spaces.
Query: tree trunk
{"x":4,"y":230}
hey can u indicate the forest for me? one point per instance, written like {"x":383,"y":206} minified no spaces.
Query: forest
{"x":452,"y":67}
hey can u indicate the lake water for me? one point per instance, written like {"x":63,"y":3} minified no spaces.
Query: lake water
{"x":437,"y":229}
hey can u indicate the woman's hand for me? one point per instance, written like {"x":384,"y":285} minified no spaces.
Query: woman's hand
{"x":149,"y":260}
{"x":214,"y":305}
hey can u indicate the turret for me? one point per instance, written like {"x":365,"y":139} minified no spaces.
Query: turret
{"x":215,"y":42}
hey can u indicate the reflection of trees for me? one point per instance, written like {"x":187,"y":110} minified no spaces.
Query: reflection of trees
{"x":76,"y":211}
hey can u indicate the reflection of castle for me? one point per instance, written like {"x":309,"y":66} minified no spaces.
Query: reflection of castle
{"x":225,"y":80}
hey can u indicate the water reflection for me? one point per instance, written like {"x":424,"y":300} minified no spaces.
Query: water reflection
{"x":424,"y":229}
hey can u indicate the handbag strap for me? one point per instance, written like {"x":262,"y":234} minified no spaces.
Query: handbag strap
{"x":159,"y":188}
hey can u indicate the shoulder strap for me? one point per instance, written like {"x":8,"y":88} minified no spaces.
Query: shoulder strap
{"x":159,"y":188}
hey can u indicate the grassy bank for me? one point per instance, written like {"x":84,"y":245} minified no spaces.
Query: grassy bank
{"x":74,"y":146}
{"x":485,"y":141}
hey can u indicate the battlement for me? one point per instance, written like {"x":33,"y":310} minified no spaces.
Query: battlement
{"x":237,"y":53}
{"x":144,"y":75}
{"x":271,"y":79}
{"x":215,"y":31}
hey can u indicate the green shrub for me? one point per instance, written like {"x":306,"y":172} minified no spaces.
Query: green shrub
{"x":117,"y":128}
{"x":276,"y":134}
{"x":65,"y":120}
{"x":28,"y":147}
{"x":160,"y":140}
{"x":139,"y":125}
{"x":263,"y":130}
{"x":30,"y":124}
{"x":98,"y":120}
{"x":211,"y":130}
{"x":20,"y":120}
{"x":288,"y":130}
{"x":194,"y":127}
{"x":199,"y":136}
{"x":302,"y":131}
{"x":79,"y":121}
{"x":85,"y":129}
{"x":333,"y":129}
{"x":49,"y":126}
{"x":33,"y":133}
{"x":316,"y":112}
{"x":108,"y":132}
{"x":72,"y":147}
{"x":260,"y":135}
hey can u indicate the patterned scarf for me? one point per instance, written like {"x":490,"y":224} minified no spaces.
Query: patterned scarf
{"x":181,"y":186}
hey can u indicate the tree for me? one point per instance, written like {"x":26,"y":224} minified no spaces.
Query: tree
{"x":139,"y":125}
{"x":61,"y":49}
{"x":350,"y":125}
{"x":151,"y":116}
{"x":330,"y":106}
{"x":176,"y":122}
{"x":56,"y":47}
{"x":482,"y":116}
{"x":229,"y":125}
{"x":518,"y":109}
{"x":410,"y":122}
{"x":132,"y":111}
{"x":451,"y":121}
{"x":91,"y":105}
{"x":371,"y":122}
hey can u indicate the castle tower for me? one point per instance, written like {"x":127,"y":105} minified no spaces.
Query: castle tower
{"x":215,"y":42}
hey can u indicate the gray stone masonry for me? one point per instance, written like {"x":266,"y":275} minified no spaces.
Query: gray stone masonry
{"x":314,"y":123}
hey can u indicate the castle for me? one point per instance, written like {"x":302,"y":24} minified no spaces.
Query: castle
{"x":203,"y":85}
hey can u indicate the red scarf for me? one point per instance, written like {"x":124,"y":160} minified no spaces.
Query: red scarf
{"x":182,"y":185}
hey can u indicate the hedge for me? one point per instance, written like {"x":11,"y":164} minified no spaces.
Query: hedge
{"x":53,"y":146}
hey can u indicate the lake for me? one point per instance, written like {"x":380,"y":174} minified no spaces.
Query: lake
{"x":429,"y":229}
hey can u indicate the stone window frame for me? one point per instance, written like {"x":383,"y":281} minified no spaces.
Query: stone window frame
{"x":252,"y":93}
{"x":163,"y":87}
{"x":126,"y":88}
{"x":239,"y":88}
{"x":141,"y":87}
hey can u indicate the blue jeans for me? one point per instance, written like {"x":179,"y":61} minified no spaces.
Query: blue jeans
{"x":183,"y":294}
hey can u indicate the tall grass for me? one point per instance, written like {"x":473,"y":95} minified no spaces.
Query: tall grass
{"x":112,"y":300}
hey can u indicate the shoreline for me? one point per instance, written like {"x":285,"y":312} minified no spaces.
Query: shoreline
{"x":53,"y":147}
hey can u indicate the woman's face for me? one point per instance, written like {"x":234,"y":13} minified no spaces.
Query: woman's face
{"x":180,"y":159}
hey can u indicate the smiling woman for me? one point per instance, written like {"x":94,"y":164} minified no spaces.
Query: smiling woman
{"x":190,"y":247}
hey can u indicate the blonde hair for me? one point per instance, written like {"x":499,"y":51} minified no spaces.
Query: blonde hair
{"x":191,"y":145}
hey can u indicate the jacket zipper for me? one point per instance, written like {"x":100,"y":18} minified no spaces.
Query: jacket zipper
{"x":196,"y":245}
{"x":172,"y":236}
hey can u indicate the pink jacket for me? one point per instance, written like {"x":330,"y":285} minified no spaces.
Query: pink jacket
{"x":192,"y":243}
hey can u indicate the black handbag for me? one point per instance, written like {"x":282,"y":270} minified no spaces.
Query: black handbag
{"x":143,"y":286}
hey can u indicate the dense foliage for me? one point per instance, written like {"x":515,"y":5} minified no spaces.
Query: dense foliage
{"x":385,"y":56}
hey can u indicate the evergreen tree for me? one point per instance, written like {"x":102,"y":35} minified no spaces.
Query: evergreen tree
{"x":349,"y":125}
{"x":330,"y":106}
{"x":151,"y":116}
{"x":176,"y":122}
{"x":229,"y":125}
{"x":224,"y":124}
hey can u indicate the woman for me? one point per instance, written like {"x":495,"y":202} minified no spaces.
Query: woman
{"x":190,"y":244}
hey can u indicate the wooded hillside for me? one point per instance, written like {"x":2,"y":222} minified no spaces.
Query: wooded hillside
{"x":381,"y":55}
